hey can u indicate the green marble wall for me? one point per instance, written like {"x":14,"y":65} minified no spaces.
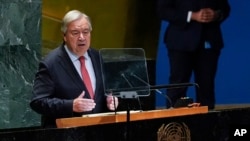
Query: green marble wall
{"x":20,"y":45}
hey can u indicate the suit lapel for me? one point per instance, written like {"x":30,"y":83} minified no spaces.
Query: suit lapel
{"x":70,"y":70}
{"x":69,"y":67}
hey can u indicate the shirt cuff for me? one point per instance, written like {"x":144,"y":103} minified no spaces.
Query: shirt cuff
{"x":189,"y":16}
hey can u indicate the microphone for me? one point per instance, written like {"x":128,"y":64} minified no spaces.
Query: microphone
{"x":141,"y":80}
{"x":125,"y":78}
{"x":127,"y":92}
{"x":110,"y":91}
{"x":157,"y":90}
{"x":131,"y":86}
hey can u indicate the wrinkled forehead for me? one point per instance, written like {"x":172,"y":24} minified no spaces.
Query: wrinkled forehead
{"x":79,"y":24}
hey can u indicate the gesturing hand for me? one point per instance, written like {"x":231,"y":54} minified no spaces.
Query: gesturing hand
{"x":81,"y":104}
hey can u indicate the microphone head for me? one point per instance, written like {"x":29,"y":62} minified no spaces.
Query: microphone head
{"x":122,"y":74}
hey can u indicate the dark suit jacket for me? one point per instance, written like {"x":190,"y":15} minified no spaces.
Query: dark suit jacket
{"x":57,"y":83}
{"x":181,"y":35}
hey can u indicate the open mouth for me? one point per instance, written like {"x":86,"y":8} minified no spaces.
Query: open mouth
{"x":81,"y":45}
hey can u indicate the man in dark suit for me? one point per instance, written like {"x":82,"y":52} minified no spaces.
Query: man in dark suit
{"x":194,"y":41}
{"x":60,"y":88}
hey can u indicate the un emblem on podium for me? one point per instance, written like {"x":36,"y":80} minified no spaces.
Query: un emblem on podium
{"x":174,"y":132}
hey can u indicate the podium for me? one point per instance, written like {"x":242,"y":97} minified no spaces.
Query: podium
{"x":116,"y":122}
{"x":214,"y":125}
{"x":112,"y":118}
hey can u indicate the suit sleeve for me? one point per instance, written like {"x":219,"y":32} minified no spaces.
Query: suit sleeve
{"x":43,"y":100}
{"x":168,"y":11}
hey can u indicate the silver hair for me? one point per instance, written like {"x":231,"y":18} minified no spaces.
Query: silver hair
{"x":72,"y":16}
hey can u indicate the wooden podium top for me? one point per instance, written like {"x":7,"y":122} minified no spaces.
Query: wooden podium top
{"x":111,"y":117}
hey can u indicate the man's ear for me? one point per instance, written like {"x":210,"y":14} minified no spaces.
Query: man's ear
{"x":64,"y":38}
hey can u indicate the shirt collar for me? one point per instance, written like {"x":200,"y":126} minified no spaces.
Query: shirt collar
{"x":73,"y":56}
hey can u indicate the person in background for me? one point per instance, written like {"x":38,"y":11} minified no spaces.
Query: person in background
{"x":61,"y":89}
{"x":194,"y":41}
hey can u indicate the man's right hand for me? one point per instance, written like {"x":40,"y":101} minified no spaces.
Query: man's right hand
{"x":81,"y":104}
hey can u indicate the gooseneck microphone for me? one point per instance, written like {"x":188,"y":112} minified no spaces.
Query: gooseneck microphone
{"x":131,"y":86}
{"x":125,"y":78}
{"x":157,"y":90}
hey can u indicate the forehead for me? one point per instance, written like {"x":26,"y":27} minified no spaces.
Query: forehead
{"x":81,"y":23}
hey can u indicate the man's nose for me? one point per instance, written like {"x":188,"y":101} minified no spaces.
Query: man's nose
{"x":82,"y":36}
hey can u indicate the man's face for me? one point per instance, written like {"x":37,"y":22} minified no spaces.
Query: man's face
{"x":77,"y":36}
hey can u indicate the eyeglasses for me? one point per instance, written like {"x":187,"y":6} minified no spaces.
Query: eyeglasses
{"x":77,"y":33}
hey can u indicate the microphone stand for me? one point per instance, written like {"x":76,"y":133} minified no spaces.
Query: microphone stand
{"x":128,"y":95}
{"x":128,"y":122}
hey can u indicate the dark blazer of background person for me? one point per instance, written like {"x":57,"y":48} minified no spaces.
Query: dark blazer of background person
{"x":181,"y":35}
{"x":194,"y":42}
{"x":57,"y":77}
